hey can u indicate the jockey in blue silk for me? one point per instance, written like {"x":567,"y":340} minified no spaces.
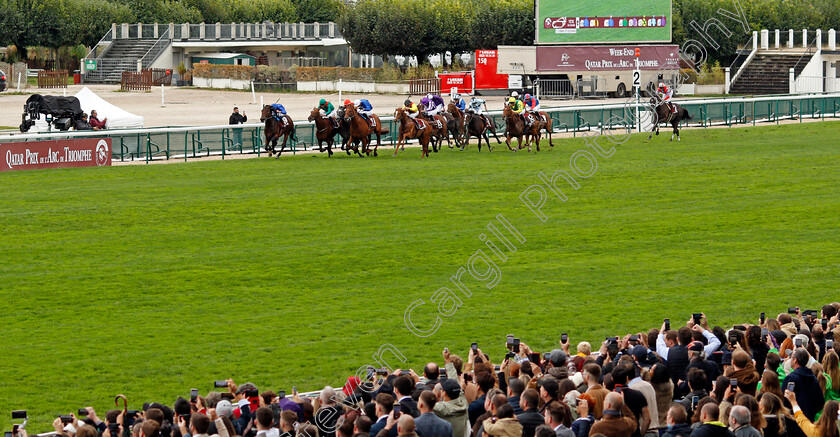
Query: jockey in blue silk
{"x":460,"y":103}
{"x":279,"y":113}
{"x":532,"y":106}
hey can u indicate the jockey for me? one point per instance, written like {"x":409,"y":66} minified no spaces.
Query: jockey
{"x":435,"y":105}
{"x":364,"y":107}
{"x":459,"y":102}
{"x":411,"y":109}
{"x":328,"y":110}
{"x":476,"y":106}
{"x":516,"y":105}
{"x":532,"y":106}
{"x":279,"y":112}
{"x":665,"y":94}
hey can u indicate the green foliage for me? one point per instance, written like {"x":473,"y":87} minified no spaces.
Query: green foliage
{"x":385,"y":74}
{"x":275,"y":74}
{"x":320,"y":11}
{"x":222,"y":71}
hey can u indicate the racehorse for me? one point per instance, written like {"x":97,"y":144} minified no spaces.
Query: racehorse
{"x":662,"y":114}
{"x":544,"y":121}
{"x":455,"y":124}
{"x":325,"y":130}
{"x":515,"y":128}
{"x":474,"y":126}
{"x":439,"y":125}
{"x":362,"y":130}
{"x":274,"y":129}
{"x":409,"y":129}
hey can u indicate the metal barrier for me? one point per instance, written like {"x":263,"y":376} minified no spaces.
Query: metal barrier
{"x":555,"y":88}
{"x":52,"y":79}
{"x":223,"y":140}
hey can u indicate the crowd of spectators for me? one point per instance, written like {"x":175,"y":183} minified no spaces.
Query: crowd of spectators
{"x":778,"y":377}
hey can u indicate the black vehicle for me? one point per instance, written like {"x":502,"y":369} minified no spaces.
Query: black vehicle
{"x":60,"y":112}
{"x":2,"y":81}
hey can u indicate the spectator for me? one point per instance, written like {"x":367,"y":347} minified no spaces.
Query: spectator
{"x":773,"y":362}
{"x":453,"y":406}
{"x":485,"y":382}
{"x":94,"y":121}
{"x":780,"y":422}
{"x":545,"y":431}
{"x":582,"y":425}
{"x":832,"y":369}
{"x":327,"y":412}
{"x":647,"y":390}
{"x":739,"y":422}
{"x":287,"y":423}
{"x":404,"y":426}
{"x":492,"y":402}
{"x":307,"y":430}
{"x":664,"y":389}
{"x":236,"y":117}
{"x":504,"y":424}
{"x":770,"y":384}
{"x":591,"y":376}
{"x":82,"y":123}
{"x":264,"y":418}
{"x":805,"y":387}
{"x":530,"y":418}
{"x":427,"y":423}
{"x":744,"y":371}
{"x":150,"y":428}
{"x":515,"y":389}
{"x":384,"y":406}
{"x":710,"y":426}
{"x":697,"y":360}
{"x":677,"y":422}
{"x":556,"y":364}
{"x":361,"y":427}
{"x":672,"y":347}
{"x":696,"y":384}
{"x":403,"y":387}
{"x":431,"y":375}
{"x":825,"y":427}
{"x":633,"y":399}
{"x":613,"y":423}
{"x":757,"y":419}
{"x":555,"y":415}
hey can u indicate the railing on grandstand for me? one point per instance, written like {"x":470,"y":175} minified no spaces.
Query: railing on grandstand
{"x":225,"y":140}
{"x":230,"y":31}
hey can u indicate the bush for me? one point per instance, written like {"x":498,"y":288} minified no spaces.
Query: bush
{"x":385,"y":74}
{"x":216,"y":71}
{"x":266,"y":73}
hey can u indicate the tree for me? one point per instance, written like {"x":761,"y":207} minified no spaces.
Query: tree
{"x":317,"y":11}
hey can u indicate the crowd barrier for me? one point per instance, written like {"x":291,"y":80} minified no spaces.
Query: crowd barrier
{"x":184,"y":143}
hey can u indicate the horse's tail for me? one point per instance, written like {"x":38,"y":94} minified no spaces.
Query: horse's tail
{"x":687,"y":115}
{"x":294,"y":134}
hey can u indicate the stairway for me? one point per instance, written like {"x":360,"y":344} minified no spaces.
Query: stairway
{"x":768,"y":73}
{"x":122,"y":55}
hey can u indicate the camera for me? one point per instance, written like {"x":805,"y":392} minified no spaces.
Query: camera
{"x":764,"y":334}
{"x":762,"y":317}
{"x":509,"y":342}
{"x":396,"y":411}
{"x":474,"y":348}
{"x":281,"y":394}
{"x":380,"y":372}
{"x":65,"y":419}
{"x":798,"y":342}
{"x":733,"y":339}
{"x":793,"y":310}
{"x":667,"y":324}
{"x":618,"y":388}
{"x":252,"y":393}
{"x":516,"y":345}
{"x":19,"y":414}
{"x":697,"y":317}
{"x":829,"y":343}
{"x":194,"y":395}
{"x":115,"y":429}
{"x":733,"y":383}
{"x":220,"y":384}
{"x":791,"y":385}
{"x":634,"y":339}
{"x":564,"y":337}
{"x":509,"y":355}
{"x":82,"y":412}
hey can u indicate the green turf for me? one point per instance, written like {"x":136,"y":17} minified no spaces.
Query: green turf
{"x":151,"y":280}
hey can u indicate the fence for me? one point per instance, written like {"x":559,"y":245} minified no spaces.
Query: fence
{"x":223,"y":140}
{"x":424,"y":86}
{"x":144,"y":80}
{"x":556,"y":88}
{"x":52,"y":79}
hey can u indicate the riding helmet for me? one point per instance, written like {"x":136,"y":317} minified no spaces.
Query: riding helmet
{"x":407,"y":102}
{"x":322,"y":102}
{"x":347,"y":102}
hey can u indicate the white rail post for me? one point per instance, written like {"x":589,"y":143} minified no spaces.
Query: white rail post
{"x":790,"y":38}
{"x":162,"y":102}
{"x":832,"y":39}
{"x":727,"y":81}
{"x":253,"y":94}
{"x":339,"y":90}
{"x":791,"y":81}
{"x":776,"y":46}
{"x":765,"y":39}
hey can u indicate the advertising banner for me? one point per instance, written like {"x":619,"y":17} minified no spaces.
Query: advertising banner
{"x":80,"y":152}
{"x":583,"y":21}
{"x":605,"y":58}
{"x":462,"y":80}
{"x":486,"y":77}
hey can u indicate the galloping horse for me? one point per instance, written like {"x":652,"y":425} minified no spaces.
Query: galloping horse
{"x":274,"y":128}
{"x":410,"y":130}
{"x":455,"y":124}
{"x":544,"y":121}
{"x":361,"y":130}
{"x":663,"y":114}
{"x":474,"y":126}
{"x":439,"y":125}
{"x":515,"y":128}
{"x":325,"y":130}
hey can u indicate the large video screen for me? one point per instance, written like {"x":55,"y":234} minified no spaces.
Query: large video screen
{"x":585,"y":21}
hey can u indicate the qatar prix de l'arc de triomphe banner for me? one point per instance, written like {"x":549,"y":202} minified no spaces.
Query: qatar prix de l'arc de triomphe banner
{"x":605,"y":21}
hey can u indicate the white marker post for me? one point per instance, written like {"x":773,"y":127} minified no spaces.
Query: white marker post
{"x":162,"y":102}
{"x":18,"y":82}
{"x":637,"y":84}
{"x":339,"y":90}
{"x":253,"y":94}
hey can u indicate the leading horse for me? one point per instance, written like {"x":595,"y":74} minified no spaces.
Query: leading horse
{"x":663,"y":114}
{"x":275,"y":128}
{"x":515,"y":127}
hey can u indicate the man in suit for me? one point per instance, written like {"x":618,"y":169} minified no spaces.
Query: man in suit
{"x":530,"y":417}
{"x":403,"y":386}
{"x":404,"y":426}
{"x":514,"y":391}
{"x":384,"y":405}
{"x":613,"y":423}
{"x":427,"y":423}
{"x":809,"y":396}
{"x":485,"y":382}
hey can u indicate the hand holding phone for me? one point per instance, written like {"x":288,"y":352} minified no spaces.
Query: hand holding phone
{"x":667,"y":324}
{"x":193,"y":395}
{"x":564,"y":338}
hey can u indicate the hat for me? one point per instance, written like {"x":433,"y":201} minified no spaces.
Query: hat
{"x":696,"y":346}
{"x":322,"y":102}
{"x":347,"y":102}
{"x":452,"y":388}
{"x":557,"y":357}
{"x":224,"y":408}
{"x":350,"y":386}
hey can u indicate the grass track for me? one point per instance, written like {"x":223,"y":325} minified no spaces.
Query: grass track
{"x":150,"y":280}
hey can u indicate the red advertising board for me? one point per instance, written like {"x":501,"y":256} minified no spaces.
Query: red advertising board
{"x":80,"y":152}
{"x":460,"y":79}
{"x":605,"y":58}
{"x":486,"y":77}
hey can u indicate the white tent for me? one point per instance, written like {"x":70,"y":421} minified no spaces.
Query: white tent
{"x":118,"y":118}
